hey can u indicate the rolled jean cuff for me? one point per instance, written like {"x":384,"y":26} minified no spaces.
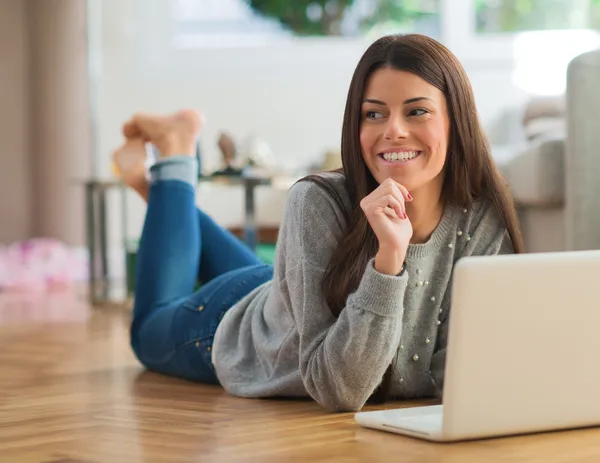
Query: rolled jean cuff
{"x":183,"y":168}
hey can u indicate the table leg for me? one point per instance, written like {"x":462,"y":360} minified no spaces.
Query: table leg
{"x":124,"y":229}
{"x":91,"y":239}
{"x":103,"y":238}
{"x":250,"y":220}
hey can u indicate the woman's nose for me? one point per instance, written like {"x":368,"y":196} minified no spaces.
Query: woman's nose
{"x":395,"y":129}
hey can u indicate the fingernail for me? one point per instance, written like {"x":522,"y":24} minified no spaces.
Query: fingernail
{"x":405,"y":216}
{"x":410,"y":196}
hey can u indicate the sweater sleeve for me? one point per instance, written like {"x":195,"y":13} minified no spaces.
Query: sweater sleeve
{"x":343,"y":359}
{"x":489,"y":236}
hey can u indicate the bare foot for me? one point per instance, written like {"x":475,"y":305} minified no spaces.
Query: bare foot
{"x":130,"y":161}
{"x":172,"y":135}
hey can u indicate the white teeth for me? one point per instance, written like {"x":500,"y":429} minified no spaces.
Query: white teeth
{"x":400,"y":156}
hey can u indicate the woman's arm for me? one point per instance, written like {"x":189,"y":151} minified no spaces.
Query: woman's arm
{"x":342,"y":360}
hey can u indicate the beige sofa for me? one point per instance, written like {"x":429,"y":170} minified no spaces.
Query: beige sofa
{"x":555,"y":178}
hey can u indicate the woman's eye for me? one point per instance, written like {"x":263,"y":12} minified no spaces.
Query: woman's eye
{"x":418,"y":112}
{"x":374,"y":115}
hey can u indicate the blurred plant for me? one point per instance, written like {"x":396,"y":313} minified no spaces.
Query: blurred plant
{"x":596,"y":14}
{"x":325,"y":17}
{"x":522,"y":15}
{"x":401,"y":11}
{"x":306,"y":17}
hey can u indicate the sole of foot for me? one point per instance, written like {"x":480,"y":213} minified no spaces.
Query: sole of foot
{"x":130,"y":163}
{"x":172,"y":135}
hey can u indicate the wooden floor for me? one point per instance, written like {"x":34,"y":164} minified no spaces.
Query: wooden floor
{"x":71,"y":391}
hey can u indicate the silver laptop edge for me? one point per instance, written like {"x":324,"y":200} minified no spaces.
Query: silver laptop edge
{"x":507,"y":371}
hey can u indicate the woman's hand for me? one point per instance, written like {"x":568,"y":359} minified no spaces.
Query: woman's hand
{"x":385,"y":210}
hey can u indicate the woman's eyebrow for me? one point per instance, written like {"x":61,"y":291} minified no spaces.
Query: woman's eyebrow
{"x":410,"y":100}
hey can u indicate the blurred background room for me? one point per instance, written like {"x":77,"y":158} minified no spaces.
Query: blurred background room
{"x":271,"y":79}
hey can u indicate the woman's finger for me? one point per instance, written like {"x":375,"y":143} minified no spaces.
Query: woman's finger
{"x":391,"y":213}
{"x":390,"y":184}
{"x":392,"y":187}
{"x":393,"y":202}
{"x":404,"y":191}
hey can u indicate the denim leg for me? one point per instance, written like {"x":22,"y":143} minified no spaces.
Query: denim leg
{"x":177,"y":240}
{"x":169,"y":250}
{"x":176,"y":338}
{"x":180,"y":244}
{"x":221,"y":250}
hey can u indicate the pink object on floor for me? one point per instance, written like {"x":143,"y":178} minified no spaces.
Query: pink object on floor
{"x":40,"y":265}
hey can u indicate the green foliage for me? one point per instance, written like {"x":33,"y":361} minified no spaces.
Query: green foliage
{"x":399,"y":11}
{"x":596,"y":14}
{"x":328,"y":14}
{"x":323,"y":17}
{"x":294,"y":14}
{"x":522,"y":15}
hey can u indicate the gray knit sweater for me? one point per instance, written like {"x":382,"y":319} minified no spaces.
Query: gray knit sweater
{"x":281,"y":340}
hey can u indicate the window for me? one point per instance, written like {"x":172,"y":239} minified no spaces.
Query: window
{"x":243,"y":22}
{"x":498,"y":16}
{"x":505,"y":31}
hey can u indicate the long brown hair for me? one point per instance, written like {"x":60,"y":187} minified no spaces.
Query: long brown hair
{"x":470,"y":172}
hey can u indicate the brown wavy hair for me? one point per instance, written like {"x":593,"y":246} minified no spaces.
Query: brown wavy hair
{"x":470,"y":172}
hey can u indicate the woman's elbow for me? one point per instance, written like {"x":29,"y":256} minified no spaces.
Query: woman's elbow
{"x":341,"y":403}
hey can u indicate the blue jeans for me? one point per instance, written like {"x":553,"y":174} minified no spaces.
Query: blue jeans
{"x":173,"y":327}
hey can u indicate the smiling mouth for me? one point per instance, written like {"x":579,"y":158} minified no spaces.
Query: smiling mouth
{"x":399,"y":157}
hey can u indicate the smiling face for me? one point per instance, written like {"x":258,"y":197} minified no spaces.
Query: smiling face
{"x":404,"y":130}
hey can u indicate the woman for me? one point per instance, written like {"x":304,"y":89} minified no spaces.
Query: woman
{"x":357,"y":304}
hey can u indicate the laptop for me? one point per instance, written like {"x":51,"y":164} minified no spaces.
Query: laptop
{"x":523,"y":353}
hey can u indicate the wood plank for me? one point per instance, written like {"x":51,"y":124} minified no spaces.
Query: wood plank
{"x":71,"y":391}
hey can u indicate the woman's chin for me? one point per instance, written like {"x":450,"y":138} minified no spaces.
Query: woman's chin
{"x":414,"y":182}
{"x":407,"y":183}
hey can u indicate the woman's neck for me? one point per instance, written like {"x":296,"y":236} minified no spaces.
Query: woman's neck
{"x":425,"y":212}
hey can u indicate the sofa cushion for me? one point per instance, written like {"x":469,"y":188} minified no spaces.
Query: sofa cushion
{"x":536,"y":174}
{"x":544,"y":107}
{"x":542,"y":126}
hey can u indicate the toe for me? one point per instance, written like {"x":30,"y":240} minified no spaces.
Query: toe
{"x":131,"y":130}
{"x":191,"y":118}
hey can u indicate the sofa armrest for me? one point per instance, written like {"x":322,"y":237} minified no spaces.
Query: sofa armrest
{"x":582,"y":160}
{"x":536,"y":175}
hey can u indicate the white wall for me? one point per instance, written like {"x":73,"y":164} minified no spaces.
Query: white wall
{"x":291,"y":94}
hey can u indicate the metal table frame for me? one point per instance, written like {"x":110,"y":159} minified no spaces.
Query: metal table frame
{"x":97,"y":226}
